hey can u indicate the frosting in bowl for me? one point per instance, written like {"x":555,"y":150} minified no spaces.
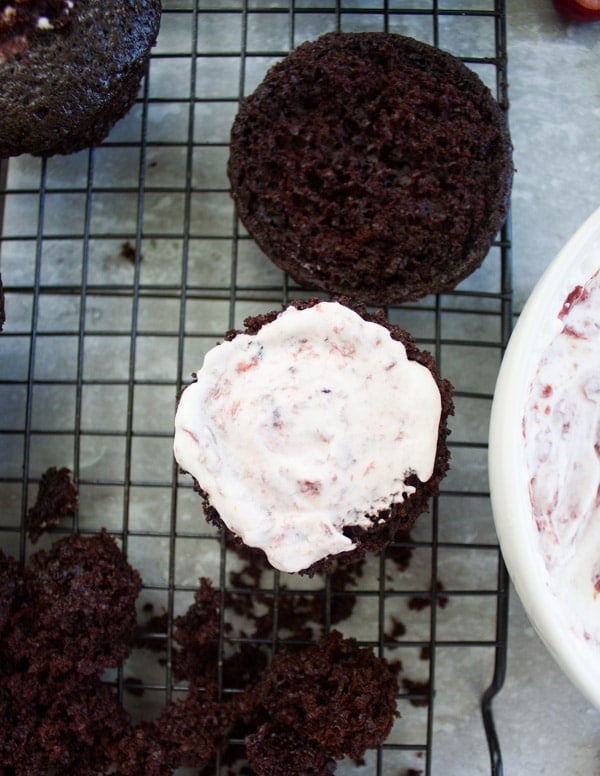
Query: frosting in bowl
{"x":561,"y":427}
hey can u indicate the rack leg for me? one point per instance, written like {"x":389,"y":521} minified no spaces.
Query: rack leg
{"x":497,"y":682}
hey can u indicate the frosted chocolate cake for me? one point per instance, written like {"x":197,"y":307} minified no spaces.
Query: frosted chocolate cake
{"x":372,"y":165}
{"x":69,"y":70}
{"x":318,"y":432}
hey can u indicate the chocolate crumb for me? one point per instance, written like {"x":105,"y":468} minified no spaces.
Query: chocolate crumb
{"x":128,"y":252}
{"x":418,"y":602}
{"x":398,"y":629}
{"x":418,"y":688}
{"x":57,"y":498}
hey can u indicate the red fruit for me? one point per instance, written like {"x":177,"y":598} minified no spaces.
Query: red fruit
{"x":579,"y":10}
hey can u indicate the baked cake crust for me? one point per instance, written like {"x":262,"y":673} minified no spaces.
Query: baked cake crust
{"x":65,"y":88}
{"x":372,"y":165}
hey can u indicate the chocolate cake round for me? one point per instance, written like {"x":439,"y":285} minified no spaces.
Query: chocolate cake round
{"x":317,"y":433}
{"x":372,"y":165}
{"x":69,"y":69}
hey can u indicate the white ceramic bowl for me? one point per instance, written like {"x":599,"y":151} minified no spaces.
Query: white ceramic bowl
{"x":551,"y":601}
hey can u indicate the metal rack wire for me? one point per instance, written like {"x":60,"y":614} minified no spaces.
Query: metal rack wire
{"x":122,"y":265}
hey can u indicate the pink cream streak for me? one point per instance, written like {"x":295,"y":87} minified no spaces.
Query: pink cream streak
{"x":561,"y":426}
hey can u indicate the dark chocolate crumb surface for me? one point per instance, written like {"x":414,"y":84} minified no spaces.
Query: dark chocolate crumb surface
{"x":372,"y":165}
{"x":24,"y":19}
{"x":335,"y":697}
{"x":192,"y":729}
{"x":139,"y":753}
{"x":63,"y":89}
{"x":278,"y":751}
{"x":76,"y":610}
{"x":51,"y":726}
{"x":10,"y":581}
{"x":70,"y":614}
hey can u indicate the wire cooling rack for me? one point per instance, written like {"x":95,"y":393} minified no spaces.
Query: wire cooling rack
{"x":123,"y":265}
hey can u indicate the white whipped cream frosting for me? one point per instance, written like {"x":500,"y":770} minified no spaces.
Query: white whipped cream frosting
{"x":308,"y":426}
{"x":561,"y":426}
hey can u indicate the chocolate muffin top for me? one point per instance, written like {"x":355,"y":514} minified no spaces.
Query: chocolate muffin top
{"x":372,"y":165}
{"x":69,"y":69}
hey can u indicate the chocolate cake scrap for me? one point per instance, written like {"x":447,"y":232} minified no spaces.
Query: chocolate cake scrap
{"x":335,"y":697}
{"x":66,"y":617}
{"x":10,"y":581}
{"x":192,"y":729}
{"x":139,"y":753}
{"x":77,"y":610}
{"x":57,"y":498}
{"x":51,"y":726}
